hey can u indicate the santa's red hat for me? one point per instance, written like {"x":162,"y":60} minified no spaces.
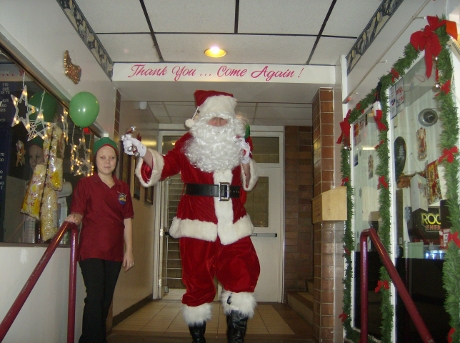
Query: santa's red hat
{"x":214,"y":104}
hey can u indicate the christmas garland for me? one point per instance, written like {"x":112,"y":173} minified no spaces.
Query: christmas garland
{"x":433,"y":41}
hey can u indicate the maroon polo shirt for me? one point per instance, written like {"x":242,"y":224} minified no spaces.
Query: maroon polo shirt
{"x":104,"y":210}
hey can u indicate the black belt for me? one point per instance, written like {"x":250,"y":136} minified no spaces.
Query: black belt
{"x":223,"y":190}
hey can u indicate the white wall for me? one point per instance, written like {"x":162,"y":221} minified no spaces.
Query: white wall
{"x":43,"y":318}
{"x":137,"y":283}
{"x":41,"y":32}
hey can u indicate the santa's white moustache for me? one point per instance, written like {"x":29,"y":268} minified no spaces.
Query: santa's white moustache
{"x":215,"y":148}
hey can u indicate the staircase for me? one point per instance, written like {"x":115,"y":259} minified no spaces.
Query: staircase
{"x":302,"y":302}
{"x":173,"y":276}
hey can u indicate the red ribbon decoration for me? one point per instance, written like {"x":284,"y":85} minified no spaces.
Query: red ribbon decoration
{"x":345,"y":126}
{"x":345,"y":180}
{"x":455,"y":239}
{"x":346,"y":251}
{"x":445,"y":88}
{"x":378,"y":120}
{"x":381,"y":284}
{"x":394,"y":75}
{"x":378,"y":145}
{"x":450,"y":335}
{"x":343,"y":316}
{"x":382,"y":182}
{"x":448,"y":154}
{"x":428,"y":40}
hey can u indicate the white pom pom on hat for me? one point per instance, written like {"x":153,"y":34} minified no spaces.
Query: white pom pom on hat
{"x":219,"y":102}
{"x":189,"y":123}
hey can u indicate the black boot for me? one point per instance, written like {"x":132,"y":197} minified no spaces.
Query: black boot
{"x":197,"y":331}
{"x":236,"y":327}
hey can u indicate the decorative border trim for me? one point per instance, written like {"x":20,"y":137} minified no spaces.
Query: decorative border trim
{"x":385,"y":11}
{"x":81,"y":25}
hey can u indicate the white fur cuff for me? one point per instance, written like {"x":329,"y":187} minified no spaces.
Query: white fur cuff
{"x":243,"y":302}
{"x":196,"y":314}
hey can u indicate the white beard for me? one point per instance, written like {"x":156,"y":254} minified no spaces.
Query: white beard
{"x":215,"y":148}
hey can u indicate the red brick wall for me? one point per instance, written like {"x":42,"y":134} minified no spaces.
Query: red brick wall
{"x":324,"y":233}
{"x":299,"y":192}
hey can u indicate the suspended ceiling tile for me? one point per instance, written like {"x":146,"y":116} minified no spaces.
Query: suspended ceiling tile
{"x":329,"y":50}
{"x":344,"y":20}
{"x":282,"y":17}
{"x":240,"y":49}
{"x":107,"y":16}
{"x":129,"y":47}
{"x":191,"y":16}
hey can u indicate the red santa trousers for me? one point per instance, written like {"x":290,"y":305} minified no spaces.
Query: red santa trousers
{"x":235,"y":265}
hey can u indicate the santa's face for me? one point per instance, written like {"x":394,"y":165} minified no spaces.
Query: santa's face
{"x":217,"y":121}
{"x":214,"y":146}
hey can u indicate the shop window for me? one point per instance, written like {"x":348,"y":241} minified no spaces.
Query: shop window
{"x":42,"y":156}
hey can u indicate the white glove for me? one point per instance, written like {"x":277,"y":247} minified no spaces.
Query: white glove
{"x":245,"y":150}
{"x":133,"y":146}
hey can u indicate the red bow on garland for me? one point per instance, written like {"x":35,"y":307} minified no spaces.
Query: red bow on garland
{"x":455,"y":239}
{"x":343,"y":316}
{"x":378,"y":145}
{"x":378,"y":120}
{"x":428,"y":40}
{"x":450,"y":335}
{"x":345,"y":180}
{"x":345,"y":127}
{"x":394,"y":75}
{"x":381,"y":284}
{"x":382,"y":182}
{"x":445,"y":88}
{"x":448,"y":154}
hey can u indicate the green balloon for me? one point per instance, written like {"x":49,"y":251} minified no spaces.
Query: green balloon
{"x":49,"y":106}
{"x":83,"y":109}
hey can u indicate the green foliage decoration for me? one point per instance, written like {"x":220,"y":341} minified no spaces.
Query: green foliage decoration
{"x":449,"y":138}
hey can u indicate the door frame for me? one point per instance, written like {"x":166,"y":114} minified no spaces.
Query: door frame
{"x":160,"y":206}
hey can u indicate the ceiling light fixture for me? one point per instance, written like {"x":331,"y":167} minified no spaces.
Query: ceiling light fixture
{"x":215,"y":52}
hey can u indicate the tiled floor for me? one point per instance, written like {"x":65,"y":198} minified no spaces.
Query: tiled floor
{"x":162,"y":321}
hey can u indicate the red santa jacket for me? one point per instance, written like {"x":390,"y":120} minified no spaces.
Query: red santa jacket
{"x":201,"y":217}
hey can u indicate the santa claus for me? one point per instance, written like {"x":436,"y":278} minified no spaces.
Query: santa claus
{"x":212,"y":225}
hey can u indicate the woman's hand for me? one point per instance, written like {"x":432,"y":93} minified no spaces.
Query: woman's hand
{"x":128,"y":260}
{"x":74,"y":218}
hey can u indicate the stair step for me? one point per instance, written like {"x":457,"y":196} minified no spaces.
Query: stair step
{"x":302,"y":304}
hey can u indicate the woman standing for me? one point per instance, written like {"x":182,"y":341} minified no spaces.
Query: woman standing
{"x":102,"y":203}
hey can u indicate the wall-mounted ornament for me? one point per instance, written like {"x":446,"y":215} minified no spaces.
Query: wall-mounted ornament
{"x":72,"y":71}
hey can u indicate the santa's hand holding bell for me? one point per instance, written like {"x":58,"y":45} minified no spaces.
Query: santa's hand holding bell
{"x":133,"y":146}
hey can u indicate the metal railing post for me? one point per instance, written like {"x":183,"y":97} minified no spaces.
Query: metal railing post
{"x":397,"y":281}
{"x":364,"y":264}
{"x":5,"y":325}
{"x":72,"y":284}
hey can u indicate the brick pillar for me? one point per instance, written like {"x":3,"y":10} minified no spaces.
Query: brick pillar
{"x":324,"y":233}
{"x":298,"y":259}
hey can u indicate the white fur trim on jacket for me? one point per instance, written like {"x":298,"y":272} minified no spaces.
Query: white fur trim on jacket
{"x":254,"y":176}
{"x":196,"y":314}
{"x":158,"y":165}
{"x":243,"y":302}
{"x":208,"y":231}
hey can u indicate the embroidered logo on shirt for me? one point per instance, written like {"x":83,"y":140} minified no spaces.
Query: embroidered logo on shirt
{"x":122,"y":198}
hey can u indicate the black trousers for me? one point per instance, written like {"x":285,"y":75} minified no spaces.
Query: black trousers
{"x":100,"y":277}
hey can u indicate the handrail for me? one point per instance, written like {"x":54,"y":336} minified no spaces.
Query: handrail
{"x":402,"y":290}
{"x":36,"y":273}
